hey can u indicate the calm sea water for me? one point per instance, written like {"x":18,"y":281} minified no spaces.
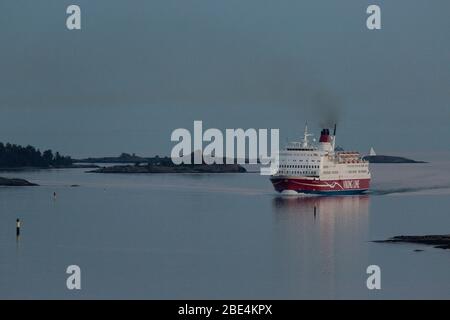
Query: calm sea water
{"x":222,"y":236}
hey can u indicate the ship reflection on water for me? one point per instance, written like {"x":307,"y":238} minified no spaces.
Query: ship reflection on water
{"x":319,"y":247}
{"x":346,"y":204}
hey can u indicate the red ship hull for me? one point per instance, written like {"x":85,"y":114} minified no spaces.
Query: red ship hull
{"x":316,"y":186}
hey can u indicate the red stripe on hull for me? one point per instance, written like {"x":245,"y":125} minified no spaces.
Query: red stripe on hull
{"x":318,"y":186}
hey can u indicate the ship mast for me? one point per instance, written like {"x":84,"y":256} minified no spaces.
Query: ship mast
{"x":305,"y":136}
{"x":334,"y":137}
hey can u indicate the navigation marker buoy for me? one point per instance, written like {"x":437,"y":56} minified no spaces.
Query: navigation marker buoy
{"x":17,"y":228}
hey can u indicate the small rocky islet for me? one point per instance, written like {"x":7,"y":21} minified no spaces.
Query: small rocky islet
{"x":438,"y":241}
{"x":14,"y":182}
{"x":389,"y":159}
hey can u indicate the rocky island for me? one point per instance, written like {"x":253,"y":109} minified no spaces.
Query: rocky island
{"x":389,"y":159}
{"x":122,"y":158}
{"x":16,"y":156}
{"x":15,"y":182}
{"x":183,"y":168}
{"x":165,"y":165}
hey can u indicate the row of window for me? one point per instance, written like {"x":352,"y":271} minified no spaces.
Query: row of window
{"x":356,"y":165}
{"x":299,"y":166}
{"x":350,"y":171}
{"x":305,"y":154}
{"x":300,"y":160}
{"x":297,"y":172}
{"x":313,"y":172}
{"x":357,"y":171}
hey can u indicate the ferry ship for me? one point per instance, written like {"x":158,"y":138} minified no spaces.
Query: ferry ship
{"x":306,"y":168}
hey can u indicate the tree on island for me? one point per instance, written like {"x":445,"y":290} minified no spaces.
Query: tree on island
{"x":14,"y":156}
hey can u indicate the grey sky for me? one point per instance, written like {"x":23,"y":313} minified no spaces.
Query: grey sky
{"x":139,"y":69}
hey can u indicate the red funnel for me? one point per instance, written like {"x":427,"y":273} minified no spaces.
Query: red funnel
{"x":325,"y":136}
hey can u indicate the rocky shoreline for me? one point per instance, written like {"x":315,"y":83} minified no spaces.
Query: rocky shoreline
{"x":438,"y":241}
{"x":8,"y":182}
